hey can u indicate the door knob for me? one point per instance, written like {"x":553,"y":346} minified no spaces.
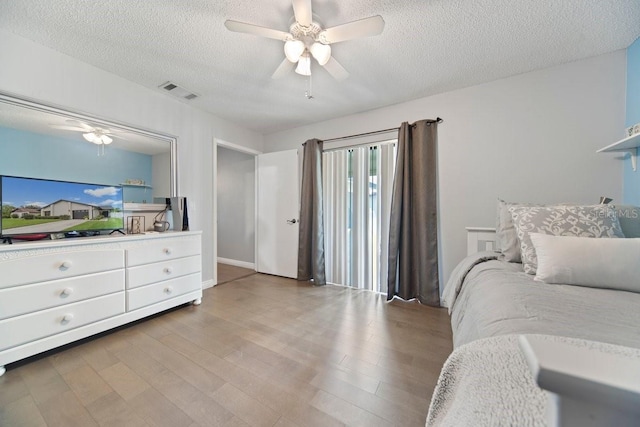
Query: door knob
{"x":292,"y":221}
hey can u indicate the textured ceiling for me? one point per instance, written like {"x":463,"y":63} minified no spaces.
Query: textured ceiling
{"x":427,"y":47}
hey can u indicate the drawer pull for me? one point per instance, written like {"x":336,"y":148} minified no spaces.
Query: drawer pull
{"x":167,"y":251}
{"x":66,"y":292}
{"x":65,"y":265}
{"x":66,"y":319}
{"x":168,"y":290}
{"x":168,"y":270}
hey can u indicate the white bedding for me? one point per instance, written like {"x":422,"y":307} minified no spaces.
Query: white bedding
{"x":488,"y":383}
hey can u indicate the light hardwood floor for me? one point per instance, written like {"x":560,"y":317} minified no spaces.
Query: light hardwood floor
{"x":262,"y":350}
{"x":228,"y":273}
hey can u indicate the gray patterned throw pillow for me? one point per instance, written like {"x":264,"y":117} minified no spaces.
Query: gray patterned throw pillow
{"x":507,"y":242}
{"x":581,"y":221}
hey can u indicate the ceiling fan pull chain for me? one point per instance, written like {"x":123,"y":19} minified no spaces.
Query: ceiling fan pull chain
{"x":308,"y":94}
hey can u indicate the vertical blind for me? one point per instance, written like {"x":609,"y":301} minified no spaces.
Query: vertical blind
{"x":357,"y":184}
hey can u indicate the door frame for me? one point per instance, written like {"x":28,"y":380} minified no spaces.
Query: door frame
{"x":217,"y":142}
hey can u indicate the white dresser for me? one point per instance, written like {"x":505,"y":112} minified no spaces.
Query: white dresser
{"x":56,"y":292}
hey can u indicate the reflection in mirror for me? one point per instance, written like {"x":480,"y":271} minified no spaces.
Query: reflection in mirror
{"x":43,"y":141}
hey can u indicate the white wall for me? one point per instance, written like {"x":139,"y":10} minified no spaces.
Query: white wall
{"x":530,"y":137}
{"x":32,"y":70}
{"x":236,"y":184}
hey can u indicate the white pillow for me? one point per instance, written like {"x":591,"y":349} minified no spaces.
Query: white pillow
{"x":598,"y":263}
{"x":597,"y":221}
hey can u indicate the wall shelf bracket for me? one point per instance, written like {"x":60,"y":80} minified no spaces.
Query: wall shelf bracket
{"x":629,"y":145}
{"x":633,"y":153}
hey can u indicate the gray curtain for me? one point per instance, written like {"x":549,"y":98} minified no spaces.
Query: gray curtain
{"x":311,"y":237}
{"x":413,"y":237}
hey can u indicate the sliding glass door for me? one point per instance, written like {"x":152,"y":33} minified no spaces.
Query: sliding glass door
{"x":357,"y":185}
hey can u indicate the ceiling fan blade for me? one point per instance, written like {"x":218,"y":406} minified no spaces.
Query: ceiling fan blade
{"x":336,"y":70}
{"x":256,"y":30}
{"x":73,"y":128}
{"x":284,"y":68}
{"x":114,"y":134}
{"x":366,"y":27}
{"x":302,"y":12}
{"x":84,"y":126}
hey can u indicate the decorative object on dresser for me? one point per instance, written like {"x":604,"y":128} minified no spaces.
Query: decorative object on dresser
{"x":135,"y":224}
{"x":180,"y":215}
{"x":159,"y":223}
{"x":56,"y":292}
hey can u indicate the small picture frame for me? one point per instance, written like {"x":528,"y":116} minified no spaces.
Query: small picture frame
{"x":135,"y":225}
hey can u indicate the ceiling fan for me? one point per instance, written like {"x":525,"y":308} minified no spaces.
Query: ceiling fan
{"x":307,"y":39}
{"x":97,"y":134}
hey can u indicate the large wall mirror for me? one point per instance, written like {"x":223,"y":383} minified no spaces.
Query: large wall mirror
{"x":38,"y":140}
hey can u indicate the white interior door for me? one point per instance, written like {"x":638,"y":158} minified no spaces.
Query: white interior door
{"x":278,"y":207}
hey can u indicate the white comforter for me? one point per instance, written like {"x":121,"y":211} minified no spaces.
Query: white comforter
{"x":488,"y":383}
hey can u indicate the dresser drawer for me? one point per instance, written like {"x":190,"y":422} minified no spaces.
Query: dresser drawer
{"x":158,"y":271}
{"x":53,"y":266}
{"x":151,"y":294}
{"x":27,"y":298}
{"x":162,"y":250}
{"x":29,"y":327}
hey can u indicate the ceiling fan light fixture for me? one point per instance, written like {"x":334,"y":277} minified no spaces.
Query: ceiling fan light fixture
{"x":304,"y":65}
{"x":321,"y":52}
{"x":293,"y":50}
{"x":91,"y":137}
{"x":307,"y":38}
{"x":97,"y":138}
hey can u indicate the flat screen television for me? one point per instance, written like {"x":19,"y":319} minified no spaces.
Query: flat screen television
{"x":32,"y":206}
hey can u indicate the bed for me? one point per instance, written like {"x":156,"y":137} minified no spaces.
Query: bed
{"x":493,"y":299}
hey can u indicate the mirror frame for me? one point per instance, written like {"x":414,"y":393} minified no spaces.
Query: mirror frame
{"x":37,"y":105}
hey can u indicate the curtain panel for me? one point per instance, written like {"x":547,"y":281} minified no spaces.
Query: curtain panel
{"x":413,"y":226}
{"x":335,"y":187}
{"x":311,"y":262}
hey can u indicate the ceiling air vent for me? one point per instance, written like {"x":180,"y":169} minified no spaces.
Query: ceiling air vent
{"x":178,"y":91}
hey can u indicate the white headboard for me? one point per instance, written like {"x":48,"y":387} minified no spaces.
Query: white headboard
{"x":480,"y":239}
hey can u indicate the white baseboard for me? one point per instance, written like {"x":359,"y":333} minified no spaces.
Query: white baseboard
{"x":243,"y":264}
{"x":207,"y":284}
